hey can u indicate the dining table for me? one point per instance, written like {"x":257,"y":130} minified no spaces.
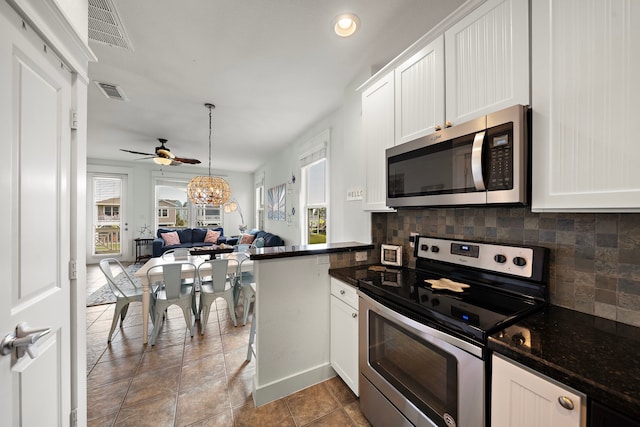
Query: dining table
{"x":187,"y":271}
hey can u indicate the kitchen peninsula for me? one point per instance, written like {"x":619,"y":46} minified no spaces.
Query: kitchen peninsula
{"x":292,"y":311}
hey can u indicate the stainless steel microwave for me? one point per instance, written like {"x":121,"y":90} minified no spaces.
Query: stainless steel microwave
{"x":479,"y":162}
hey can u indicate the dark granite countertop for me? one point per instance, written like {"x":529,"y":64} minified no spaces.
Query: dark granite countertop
{"x":274,"y":252}
{"x":596,"y":356}
{"x":350,"y":275}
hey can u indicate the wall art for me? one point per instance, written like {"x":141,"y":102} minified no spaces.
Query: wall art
{"x":276,"y":203}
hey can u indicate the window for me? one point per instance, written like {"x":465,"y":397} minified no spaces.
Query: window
{"x":107,"y":194}
{"x":314,"y":197}
{"x":175,"y":210}
{"x":259,"y":203}
{"x":163,"y":213}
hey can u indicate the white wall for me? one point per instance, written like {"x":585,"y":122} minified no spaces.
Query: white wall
{"x":347,"y":221}
{"x":141,"y":210}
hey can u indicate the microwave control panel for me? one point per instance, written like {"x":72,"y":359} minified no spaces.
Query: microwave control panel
{"x":500,"y":161}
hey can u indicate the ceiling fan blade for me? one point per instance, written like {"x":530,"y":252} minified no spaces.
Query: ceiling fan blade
{"x":138,"y":152}
{"x":186,"y":160}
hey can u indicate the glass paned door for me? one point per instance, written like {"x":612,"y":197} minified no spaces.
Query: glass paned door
{"x":107,"y":226}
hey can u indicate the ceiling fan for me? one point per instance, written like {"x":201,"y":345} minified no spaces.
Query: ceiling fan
{"x":164,"y":156}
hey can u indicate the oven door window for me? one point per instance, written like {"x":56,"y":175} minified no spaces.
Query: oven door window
{"x":422,"y":372}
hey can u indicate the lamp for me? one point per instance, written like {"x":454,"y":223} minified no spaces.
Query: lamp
{"x":162,"y":161}
{"x":346,"y":25}
{"x":233,"y":206}
{"x":208,"y":190}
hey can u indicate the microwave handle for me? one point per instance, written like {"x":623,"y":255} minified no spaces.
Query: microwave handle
{"x":476,"y":161}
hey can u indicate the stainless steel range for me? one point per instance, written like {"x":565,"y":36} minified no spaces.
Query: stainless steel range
{"x":423,"y":331}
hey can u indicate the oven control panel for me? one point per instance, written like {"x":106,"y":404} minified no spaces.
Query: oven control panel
{"x":505,"y":259}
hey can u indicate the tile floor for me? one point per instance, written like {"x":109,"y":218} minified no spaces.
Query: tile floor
{"x":199,"y":381}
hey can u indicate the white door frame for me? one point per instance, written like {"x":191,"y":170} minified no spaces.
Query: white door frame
{"x":51,"y":21}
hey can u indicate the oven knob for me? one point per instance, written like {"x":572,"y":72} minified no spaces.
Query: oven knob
{"x":424,"y":247}
{"x":435,"y":249}
{"x":499,"y":258}
{"x":435,"y":301}
{"x":519,"y":261}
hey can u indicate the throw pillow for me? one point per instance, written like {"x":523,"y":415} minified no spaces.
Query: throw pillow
{"x":171,"y":238}
{"x":212,"y":237}
{"x":246,"y":239}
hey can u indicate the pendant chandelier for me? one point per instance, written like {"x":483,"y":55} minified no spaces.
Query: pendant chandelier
{"x":208,"y":190}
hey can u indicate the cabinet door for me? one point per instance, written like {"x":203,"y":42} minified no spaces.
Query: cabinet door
{"x":487,"y":60}
{"x":419,"y":93}
{"x":344,"y":342}
{"x":585,"y":88}
{"x":378,"y":134}
{"x":522,"y":398}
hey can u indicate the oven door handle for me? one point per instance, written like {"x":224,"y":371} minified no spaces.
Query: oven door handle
{"x":476,"y":161}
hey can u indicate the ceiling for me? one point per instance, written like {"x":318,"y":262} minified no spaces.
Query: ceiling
{"x":273,"y":68}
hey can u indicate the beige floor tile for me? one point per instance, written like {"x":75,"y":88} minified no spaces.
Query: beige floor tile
{"x":150,"y":385}
{"x":225,"y":419}
{"x":113,"y":370}
{"x":340,"y":390}
{"x":202,"y":402}
{"x":354,"y":412}
{"x":150,"y":413}
{"x":271,"y":414}
{"x":106,"y":399}
{"x":172,"y":383}
{"x":311,"y":403}
{"x":200,"y":371}
{"x":337,"y":418}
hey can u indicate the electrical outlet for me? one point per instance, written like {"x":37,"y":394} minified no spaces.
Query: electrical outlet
{"x":361,"y":256}
{"x":412,"y":239}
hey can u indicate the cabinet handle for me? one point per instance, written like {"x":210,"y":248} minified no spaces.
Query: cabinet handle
{"x":342,"y":292}
{"x":438,"y":127}
{"x":448,"y":124}
{"x":354,"y":315}
{"x":565,"y":402}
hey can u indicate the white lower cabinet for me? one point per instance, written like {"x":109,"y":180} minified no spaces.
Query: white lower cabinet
{"x":522,"y":397}
{"x":344,"y":332}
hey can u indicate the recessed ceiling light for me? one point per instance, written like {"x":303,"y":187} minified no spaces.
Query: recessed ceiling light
{"x":346,"y":24}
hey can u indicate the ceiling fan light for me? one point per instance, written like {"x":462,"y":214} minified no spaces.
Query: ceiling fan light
{"x":346,"y":25}
{"x":162,"y":161}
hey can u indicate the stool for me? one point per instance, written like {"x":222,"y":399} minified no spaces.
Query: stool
{"x":252,"y":337}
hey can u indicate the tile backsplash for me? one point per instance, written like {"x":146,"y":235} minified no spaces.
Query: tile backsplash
{"x":594,"y":262}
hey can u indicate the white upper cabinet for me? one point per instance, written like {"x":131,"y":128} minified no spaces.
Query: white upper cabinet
{"x":419,"y":93}
{"x":378,"y":134}
{"x":487,"y":60}
{"x":585,"y":91}
{"x":486,"y":69}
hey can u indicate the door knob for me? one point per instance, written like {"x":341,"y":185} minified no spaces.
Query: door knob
{"x":22,"y":341}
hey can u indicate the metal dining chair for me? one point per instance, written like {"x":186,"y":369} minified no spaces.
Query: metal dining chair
{"x":172,"y":292}
{"x":126,"y":291}
{"x":217,"y":284}
{"x":177,"y":254}
{"x":245,"y":286}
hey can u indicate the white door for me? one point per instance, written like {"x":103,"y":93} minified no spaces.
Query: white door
{"x":34,"y":255}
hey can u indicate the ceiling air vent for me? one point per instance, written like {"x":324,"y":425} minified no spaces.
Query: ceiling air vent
{"x":111,"y":91}
{"x":105,"y":25}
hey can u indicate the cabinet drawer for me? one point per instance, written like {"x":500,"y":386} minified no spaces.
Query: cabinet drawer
{"x":344,"y":292}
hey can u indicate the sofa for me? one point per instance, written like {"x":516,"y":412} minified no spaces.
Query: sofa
{"x":189,"y":238}
{"x":268,"y":239}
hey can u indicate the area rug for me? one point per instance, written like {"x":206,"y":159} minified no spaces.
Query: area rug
{"x":104,"y":295}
